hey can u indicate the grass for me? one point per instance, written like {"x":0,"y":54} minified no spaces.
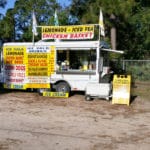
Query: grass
{"x":141,"y":89}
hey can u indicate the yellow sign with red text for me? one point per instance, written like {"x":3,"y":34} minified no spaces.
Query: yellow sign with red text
{"x":14,"y":55}
{"x":28,"y":66}
{"x":68,"y":32}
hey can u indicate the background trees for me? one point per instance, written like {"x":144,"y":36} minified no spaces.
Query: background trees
{"x":130,"y":18}
{"x":17,"y":23}
{"x":3,"y":3}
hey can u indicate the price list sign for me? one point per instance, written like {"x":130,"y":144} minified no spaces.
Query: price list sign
{"x":14,"y":64}
{"x":39,"y":66}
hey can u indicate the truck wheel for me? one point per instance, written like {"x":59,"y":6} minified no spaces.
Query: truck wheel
{"x":62,"y":87}
{"x":88,"y":98}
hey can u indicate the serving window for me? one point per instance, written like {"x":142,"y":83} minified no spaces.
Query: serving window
{"x":83,"y":60}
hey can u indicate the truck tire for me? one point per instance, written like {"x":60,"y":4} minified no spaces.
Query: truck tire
{"x":62,"y":87}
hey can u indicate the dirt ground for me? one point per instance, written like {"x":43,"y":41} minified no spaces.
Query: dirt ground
{"x":29,"y":121}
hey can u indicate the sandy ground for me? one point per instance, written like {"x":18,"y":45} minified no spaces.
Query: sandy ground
{"x":29,"y":121}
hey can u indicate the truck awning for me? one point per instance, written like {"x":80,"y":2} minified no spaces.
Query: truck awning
{"x":112,"y":50}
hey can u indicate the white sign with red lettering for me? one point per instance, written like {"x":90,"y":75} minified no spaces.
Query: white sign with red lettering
{"x":14,"y":74}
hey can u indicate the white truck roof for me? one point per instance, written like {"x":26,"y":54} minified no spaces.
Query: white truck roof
{"x":65,"y":45}
{"x":61,"y":44}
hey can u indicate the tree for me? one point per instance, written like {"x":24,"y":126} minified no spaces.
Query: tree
{"x":17,"y":24}
{"x":23,"y":16}
{"x":7,"y":25}
{"x":131,"y":21}
{"x":3,"y":3}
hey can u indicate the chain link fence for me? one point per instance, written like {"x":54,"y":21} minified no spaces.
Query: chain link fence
{"x":139,"y":69}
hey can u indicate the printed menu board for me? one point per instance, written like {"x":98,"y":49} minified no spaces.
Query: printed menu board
{"x":28,"y":66}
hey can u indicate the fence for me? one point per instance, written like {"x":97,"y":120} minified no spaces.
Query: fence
{"x":139,"y":69}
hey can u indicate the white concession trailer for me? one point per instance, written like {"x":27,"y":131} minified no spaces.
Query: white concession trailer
{"x":75,"y":66}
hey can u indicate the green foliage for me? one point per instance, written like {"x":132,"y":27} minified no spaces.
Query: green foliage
{"x":17,"y":24}
{"x":44,"y":9}
{"x":130,"y":18}
{"x":7,"y":26}
{"x":3,"y":3}
{"x":140,"y":71}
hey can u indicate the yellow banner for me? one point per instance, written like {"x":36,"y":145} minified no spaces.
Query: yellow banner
{"x":68,"y":32}
{"x":38,"y":85}
{"x":56,"y":94}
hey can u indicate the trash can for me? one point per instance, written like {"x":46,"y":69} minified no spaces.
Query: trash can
{"x":121,"y":89}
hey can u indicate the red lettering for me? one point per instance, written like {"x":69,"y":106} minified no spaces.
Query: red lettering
{"x":9,"y":67}
{"x":54,"y":36}
{"x":20,"y":67}
{"x":20,"y":75}
{"x":11,"y":74}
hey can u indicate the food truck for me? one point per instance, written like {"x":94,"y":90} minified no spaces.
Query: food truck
{"x":61,"y":66}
